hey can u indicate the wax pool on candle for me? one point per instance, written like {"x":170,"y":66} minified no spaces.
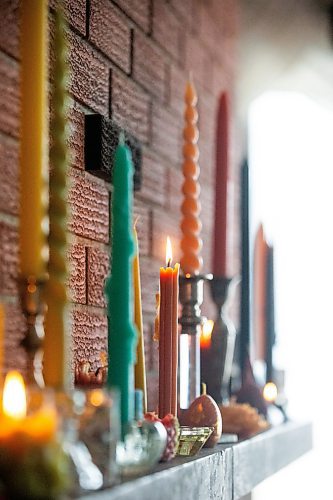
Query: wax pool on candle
{"x":33,"y":138}
{"x":168,"y":336}
{"x":119,"y":286}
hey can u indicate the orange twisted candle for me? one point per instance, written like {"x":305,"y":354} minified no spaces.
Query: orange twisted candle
{"x":191,"y":261}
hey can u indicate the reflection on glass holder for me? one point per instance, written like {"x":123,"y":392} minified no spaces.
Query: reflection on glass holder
{"x":96,"y":432}
{"x":192,"y":439}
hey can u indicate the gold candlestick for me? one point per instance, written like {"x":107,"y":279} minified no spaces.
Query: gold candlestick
{"x":56,"y":335}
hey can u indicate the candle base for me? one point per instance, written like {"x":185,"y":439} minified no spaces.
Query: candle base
{"x":34,"y":308}
{"x":191,"y":298}
{"x":217,"y":361}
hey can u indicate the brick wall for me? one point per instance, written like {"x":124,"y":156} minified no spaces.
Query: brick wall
{"x":129,"y":60}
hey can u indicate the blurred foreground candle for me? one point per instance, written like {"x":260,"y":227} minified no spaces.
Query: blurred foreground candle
{"x":168,"y":336}
{"x":221,"y":190}
{"x":56,"y":348}
{"x":32,"y":462}
{"x":33,"y":139}
{"x":119,"y":286}
{"x":191,"y":244}
{"x":206,"y":334}
{"x":140,"y":369}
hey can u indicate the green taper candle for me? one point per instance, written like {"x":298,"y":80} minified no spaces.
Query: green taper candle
{"x":119,"y":286}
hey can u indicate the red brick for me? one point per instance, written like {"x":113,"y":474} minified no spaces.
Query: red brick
{"x":152,"y":396}
{"x":98,"y":269}
{"x":15,"y":324}
{"x":89,"y":337}
{"x":149,"y":282}
{"x":199,"y":61}
{"x":167,"y":29}
{"x":165,"y":224}
{"x":9,"y":261}
{"x":77,"y":273}
{"x":207,"y":107}
{"x":143,"y":226}
{"x":166,"y":133}
{"x":89,"y":201}
{"x":9,"y":166}
{"x":178,"y":80}
{"x":89,"y":75}
{"x":138,"y":11}
{"x":184,"y":8}
{"x":9,"y":96}
{"x":110,"y":33}
{"x":175,"y":181}
{"x":9,"y":27}
{"x":148,"y":66}
{"x":147,"y":336}
{"x":154,"y":180}
{"x":76,"y":138}
{"x":75,"y":12}
{"x":130,"y":106}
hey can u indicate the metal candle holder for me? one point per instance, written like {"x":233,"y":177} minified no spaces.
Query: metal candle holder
{"x":34,"y":308}
{"x":217,"y":364}
{"x":191,"y":298}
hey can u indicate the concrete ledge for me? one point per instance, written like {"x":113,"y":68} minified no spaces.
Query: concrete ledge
{"x":227,"y":472}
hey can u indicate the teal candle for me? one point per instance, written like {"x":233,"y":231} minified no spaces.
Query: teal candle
{"x":119,"y":287}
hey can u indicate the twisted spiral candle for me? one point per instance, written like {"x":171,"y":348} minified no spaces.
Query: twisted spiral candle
{"x":191,"y":261}
{"x":55,"y":325}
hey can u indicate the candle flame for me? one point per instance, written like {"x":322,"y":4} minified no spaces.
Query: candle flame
{"x":270,"y":392}
{"x":206,"y":333}
{"x":14,"y":401}
{"x":168,"y":252}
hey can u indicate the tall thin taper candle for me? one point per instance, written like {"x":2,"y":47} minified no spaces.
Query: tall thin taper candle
{"x":33,"y":139}
{"x":119,"y":286}
{"x":140,"y":368}
{"x":191,"y":261}
{"x":221,"y":190}
{"x":56,"y":343}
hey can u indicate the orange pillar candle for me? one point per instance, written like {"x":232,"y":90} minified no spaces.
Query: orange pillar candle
{"x":33,"y":139}
{"x":168,"y":336}
{"x":140,"y":370}
{"x":191,"y":261}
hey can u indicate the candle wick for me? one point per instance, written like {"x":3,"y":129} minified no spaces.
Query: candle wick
{"x":169,"y":263}
{"x":121,"y":140}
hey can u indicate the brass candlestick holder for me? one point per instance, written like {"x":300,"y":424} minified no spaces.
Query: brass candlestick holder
{"x":217,"y":361}
{"x":34,"y":309}
{"x":191,"y":298}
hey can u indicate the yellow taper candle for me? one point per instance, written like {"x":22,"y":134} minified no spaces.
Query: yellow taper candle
{"x":140,"y":369}
{"x":33,"y":139}
{"x":56,"y":366}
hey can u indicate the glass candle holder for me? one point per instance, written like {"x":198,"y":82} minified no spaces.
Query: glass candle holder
{"x":33,"y":462}
{"x":98,"y":432}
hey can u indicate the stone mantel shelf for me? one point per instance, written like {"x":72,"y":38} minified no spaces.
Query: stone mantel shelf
{"x":228,"y":472}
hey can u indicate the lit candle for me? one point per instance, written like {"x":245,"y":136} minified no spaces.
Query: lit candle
{"x":221,"y":190}
{"x":168,"y":335}
{"x":206,"y":334}
{"x":56,"y":365}
{"x":29,"y":445}
{"x":119,"y":286}
{"x":191,"y":261}
{"x":17,"y":429}
{"x":2,"y":338}
{"x":140,"y":370}
{"x":33,"y":139}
